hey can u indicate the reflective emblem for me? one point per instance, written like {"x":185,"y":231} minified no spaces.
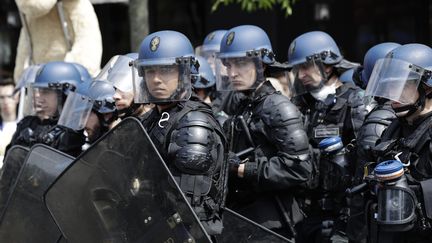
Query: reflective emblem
{"x":230,"y":38}
{"x":164,"y":117}
{"x":326,"y":132}
{"x":154,"y":43}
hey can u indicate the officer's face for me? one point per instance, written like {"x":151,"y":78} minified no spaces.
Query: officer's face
{"x":241,"y":72}
{"x":46,"y":102}
{"x":123,"y":99}
{"x":408,"y":96}
{"x":93,"y":127}
{"x":162,"y":81}
{"x":309,"y":75}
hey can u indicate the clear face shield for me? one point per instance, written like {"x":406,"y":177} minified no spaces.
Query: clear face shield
{"x":118,"y":72}
{"x":286,"y":80}
{"x":162,"y":80}
{"x":43,"y":102}
{"x":27,"y":77}
{"x":309,"y":77}
{"x":395,"y":80}
{"x":238,"y":73}
{"x":76,"y":111}
{"x":209,"y":55}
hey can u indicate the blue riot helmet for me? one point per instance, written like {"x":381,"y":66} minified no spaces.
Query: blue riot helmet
{"x":102,"y":92}
{"x":205,"y":79}
{"x":86,"y":78}
{"x":372,"y":55}
{"x":53,"y":81}
{"x":164,"y":68}
{"x":118,"y":72}
{"x":205,"y":82}
{"x":210,"y":47}
{"x":240,"y":63}
{"x":347,"y":76}
{"x":97,"y":98}
{"x":212,"y":42}
{"x":403,"y":77}
{"x":309,"y":54}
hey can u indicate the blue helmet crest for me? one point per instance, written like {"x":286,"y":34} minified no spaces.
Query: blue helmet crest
{"x":313,"y":44}
{"x":372,"y":55}
{"x":212,"y":41}
{"x":245,"y":39}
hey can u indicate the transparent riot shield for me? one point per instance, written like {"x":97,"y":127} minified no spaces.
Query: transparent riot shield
{"x":238,"y":228}
{"x":26,"y":218}
{"x":120,"y":190}
{"x":12,"y":165}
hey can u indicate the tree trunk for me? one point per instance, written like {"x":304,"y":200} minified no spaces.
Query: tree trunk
{"x":139,"y":22}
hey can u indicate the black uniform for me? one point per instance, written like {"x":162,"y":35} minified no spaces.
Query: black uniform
{"x":412,"y":143}
{"x":31,"y":130}
{"x":374,"y":125}
{"x":192,"y":144}
{"x":278,"y":163}
{"x":342,"y":115}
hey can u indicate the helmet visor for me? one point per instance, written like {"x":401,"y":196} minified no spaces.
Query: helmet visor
{"x":28,"y":76}
{"x":118,"y":72}
{"x":76,"y":111}
{"x":308,"y":77}
{"x":158,"y":82}
{"x":394,"y":79}
{"x":238,"y":73}
{"x":42,"y":102}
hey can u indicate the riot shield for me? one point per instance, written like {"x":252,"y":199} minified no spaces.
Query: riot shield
{"x":26,"y":218}
{"x":120,"y":190}
{"x":238,"y":228}
{"x":9,"y":172}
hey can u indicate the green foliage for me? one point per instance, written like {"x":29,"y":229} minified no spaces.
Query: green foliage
{"x":253,"y":5}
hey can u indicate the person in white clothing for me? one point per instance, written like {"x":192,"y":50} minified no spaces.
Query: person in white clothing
{"x":8,"y":115}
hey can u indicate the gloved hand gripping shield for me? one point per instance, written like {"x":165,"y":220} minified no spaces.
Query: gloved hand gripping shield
{"x":396,"y":80}
{"x":239,"y":71}
{"x":163,"y":80}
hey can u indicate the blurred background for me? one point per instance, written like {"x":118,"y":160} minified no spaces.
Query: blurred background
{"x":356,"y":25}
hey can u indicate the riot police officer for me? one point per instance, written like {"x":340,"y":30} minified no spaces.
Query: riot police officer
{"x":404,"y":78}
{"x":210,"y":46}
{"x":117,"y":72}
{"x":330,"y":108}
{"x":182,"y":128}
{"x":266,"y":133}
{"x":103,"y":110}
{"x":376,"y":121}
{"x":46,"y":97}
{"x":381,"y":115}
{"x":205,"y":83}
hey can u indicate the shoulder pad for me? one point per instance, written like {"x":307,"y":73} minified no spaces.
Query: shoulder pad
{"x":196,"y":118}
{"x":278,"y":110}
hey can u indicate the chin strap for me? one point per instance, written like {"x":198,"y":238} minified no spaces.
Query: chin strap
{"x":418,"y":105}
